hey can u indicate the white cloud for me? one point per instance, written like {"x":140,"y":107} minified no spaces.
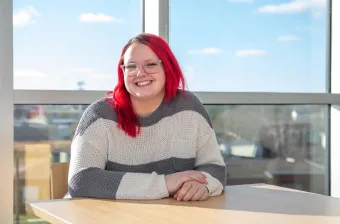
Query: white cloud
{"x":318,"y":4}
{"x":98,"y":18}
{"x":250,"y":52}
{"x":288,"y":38}
{"x":82,"y":70}
{"x":28,"y":73}
{"x":206,"y":51}
{"x":102,"y":76}
{"x":295,"y":6}
{"x":241,"y":1}
{"x":25,"y":16}
{"x":291,"y":7}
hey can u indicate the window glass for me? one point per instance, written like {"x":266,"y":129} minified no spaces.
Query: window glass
{"x":71,"y":45}
{"x":251,"y":45}
{"x":284,"y":145}
{"x":280,"y":145}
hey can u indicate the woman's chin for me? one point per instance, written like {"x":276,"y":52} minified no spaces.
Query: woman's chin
{"x":147,"y":94}
{"x":143,"y":95}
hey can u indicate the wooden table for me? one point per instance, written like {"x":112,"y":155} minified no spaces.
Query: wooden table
{"x":257,"y":203}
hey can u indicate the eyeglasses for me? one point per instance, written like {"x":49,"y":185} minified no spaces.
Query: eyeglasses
{"x":150,"y":67}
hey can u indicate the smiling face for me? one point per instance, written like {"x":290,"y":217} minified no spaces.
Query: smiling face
{"x":144,"y":75}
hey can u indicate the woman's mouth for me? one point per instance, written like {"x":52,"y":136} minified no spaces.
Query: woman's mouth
{"x":144,"y":83}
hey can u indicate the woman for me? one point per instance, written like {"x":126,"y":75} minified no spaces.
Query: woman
{"x":148,"y":139}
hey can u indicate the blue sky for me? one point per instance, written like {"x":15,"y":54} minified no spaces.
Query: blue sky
{"x":223,"y":45}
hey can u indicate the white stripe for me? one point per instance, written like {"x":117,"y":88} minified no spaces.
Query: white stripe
{"x":174,"y":136}
{"x":142,"y":186}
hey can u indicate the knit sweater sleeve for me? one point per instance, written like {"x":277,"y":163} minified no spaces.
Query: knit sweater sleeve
{"x":88,"y":176}
{"x":209,"y":159}
{"x":210,"y":162}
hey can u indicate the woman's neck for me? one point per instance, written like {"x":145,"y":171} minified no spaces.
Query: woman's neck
{"x":146,"y":107}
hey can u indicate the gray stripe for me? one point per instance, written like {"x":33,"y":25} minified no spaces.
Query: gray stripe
{"x":217,"y":171}
{"x":180,"y":103}
{"x":102,"y":109}
{"x":167,"y":166}
{"x":98,"y":183}
{"x":95,"y":183}
{"x":99,"y":109}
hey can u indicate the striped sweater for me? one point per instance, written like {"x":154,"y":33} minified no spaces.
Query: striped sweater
{"x":178,"y":136}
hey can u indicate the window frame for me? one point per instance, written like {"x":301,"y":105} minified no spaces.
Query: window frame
{"x":155,"y":19}
{"x":6,"y":102}
{"x":334,"y":111}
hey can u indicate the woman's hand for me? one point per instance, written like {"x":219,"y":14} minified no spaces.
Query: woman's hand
{"x":192,"y":191}
{"x":175,"y":181}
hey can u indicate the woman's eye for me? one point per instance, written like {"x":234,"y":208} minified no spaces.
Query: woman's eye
{"x":131,"y":67}
{"x":151,"y":64}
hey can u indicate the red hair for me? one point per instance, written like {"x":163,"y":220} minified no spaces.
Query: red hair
{"x":174,"y":79}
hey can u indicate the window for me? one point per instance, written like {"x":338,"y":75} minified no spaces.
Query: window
{"x":63,"y":45}
{"x":42,"y":136}
{"x":283,"y":47}
{"x":251,"y":46}
{"x":283,"y":145}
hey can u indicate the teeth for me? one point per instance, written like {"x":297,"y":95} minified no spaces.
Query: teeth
{"x":143,"y":83}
